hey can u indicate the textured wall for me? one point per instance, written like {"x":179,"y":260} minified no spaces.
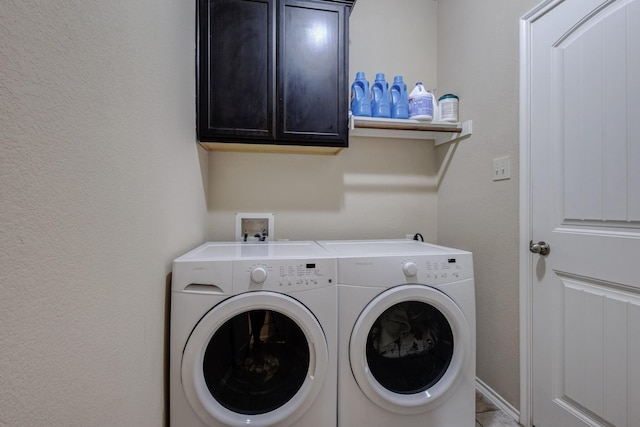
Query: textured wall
{"x":101,"y":186}
{"x":478,"y":60}
{"x":377,"y":188}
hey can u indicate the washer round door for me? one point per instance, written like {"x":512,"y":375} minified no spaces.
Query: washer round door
{"x":409,"y":348}
{"x":257,"y":358}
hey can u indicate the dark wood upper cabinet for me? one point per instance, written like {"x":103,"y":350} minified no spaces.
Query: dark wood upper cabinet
{"x":273,"y":72}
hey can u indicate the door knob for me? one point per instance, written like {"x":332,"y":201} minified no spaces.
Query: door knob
{"x":541,"y":248}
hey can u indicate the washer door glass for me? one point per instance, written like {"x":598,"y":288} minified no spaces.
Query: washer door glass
{"x":256,"y":362}
{"x":257,"y":358}
{"x":409,"y":348}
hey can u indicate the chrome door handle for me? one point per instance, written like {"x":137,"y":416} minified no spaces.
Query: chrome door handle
{"x":541,"y":248}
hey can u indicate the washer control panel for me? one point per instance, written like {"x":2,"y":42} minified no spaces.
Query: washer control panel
{"x":284,"y":275}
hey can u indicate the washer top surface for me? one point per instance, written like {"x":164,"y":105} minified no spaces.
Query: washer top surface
{"x":264,"y":250}
{"x":373,"y":248}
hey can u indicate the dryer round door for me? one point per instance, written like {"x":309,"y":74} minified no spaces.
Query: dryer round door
{"x":257,"y":358}
{"x":410,"y":348}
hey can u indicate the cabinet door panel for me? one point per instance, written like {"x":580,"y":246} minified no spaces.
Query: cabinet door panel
{"x":312,"y":84}
{"x":236,"y":69}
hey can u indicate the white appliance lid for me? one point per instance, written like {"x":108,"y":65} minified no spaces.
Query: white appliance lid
{"x":251,"y":250}
{"x":386,"y":247}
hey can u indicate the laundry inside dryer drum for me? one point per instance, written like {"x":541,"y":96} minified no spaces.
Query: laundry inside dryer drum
{"x":409,"y":347}
{"x":256,"y":362}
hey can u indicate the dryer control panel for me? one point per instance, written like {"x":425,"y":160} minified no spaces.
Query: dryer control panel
{"x":428,"y":270}
{"x":283,"y":275}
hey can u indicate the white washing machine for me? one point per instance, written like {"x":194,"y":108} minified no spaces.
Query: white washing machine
{"x":406,"y":316}
{"x":254,"y":336}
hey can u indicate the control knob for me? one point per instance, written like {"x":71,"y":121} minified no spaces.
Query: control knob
{"x":410,"y":268}
{"x":258,"y":275}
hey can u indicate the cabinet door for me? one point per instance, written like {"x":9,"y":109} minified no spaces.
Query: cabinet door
{"x":312,"y":86}
{"x":236,"y":69}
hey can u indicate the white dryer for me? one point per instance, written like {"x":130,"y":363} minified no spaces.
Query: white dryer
{"x":253,"y":337}
{"x":406,"y":316}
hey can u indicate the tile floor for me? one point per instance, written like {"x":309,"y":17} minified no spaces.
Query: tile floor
{"x":489,"y":415}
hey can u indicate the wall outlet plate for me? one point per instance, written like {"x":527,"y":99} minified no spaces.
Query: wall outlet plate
{"x":254,"y":227}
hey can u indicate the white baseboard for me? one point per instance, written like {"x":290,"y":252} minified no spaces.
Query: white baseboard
{"x":497,"y":400}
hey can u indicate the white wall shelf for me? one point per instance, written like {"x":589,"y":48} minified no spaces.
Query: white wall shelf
{"x":438,"y":132}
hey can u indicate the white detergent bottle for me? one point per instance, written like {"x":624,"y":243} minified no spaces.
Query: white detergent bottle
{"x":420,"y":103}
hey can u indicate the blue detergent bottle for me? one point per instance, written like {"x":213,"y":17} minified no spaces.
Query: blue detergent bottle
{"x":360,"y":96}
{"x":399,"y":99}
{"x":380,"y":101}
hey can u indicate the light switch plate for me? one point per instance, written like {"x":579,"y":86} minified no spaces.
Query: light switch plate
{"x":501,"y":168}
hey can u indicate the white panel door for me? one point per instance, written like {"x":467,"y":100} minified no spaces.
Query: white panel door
{"x":584,"y":133}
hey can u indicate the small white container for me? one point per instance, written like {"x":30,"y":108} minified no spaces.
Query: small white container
{"x":448,"y":106}
{"x":420,"y":103}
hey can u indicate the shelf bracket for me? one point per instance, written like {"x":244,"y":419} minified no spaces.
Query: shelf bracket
{"x":467,"y":129}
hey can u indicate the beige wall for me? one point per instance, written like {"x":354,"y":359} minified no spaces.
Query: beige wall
{"x":478,"y":58}
{"x":101,"y":186}
{"x":389,"y":188}
{"x":376,"y":188}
